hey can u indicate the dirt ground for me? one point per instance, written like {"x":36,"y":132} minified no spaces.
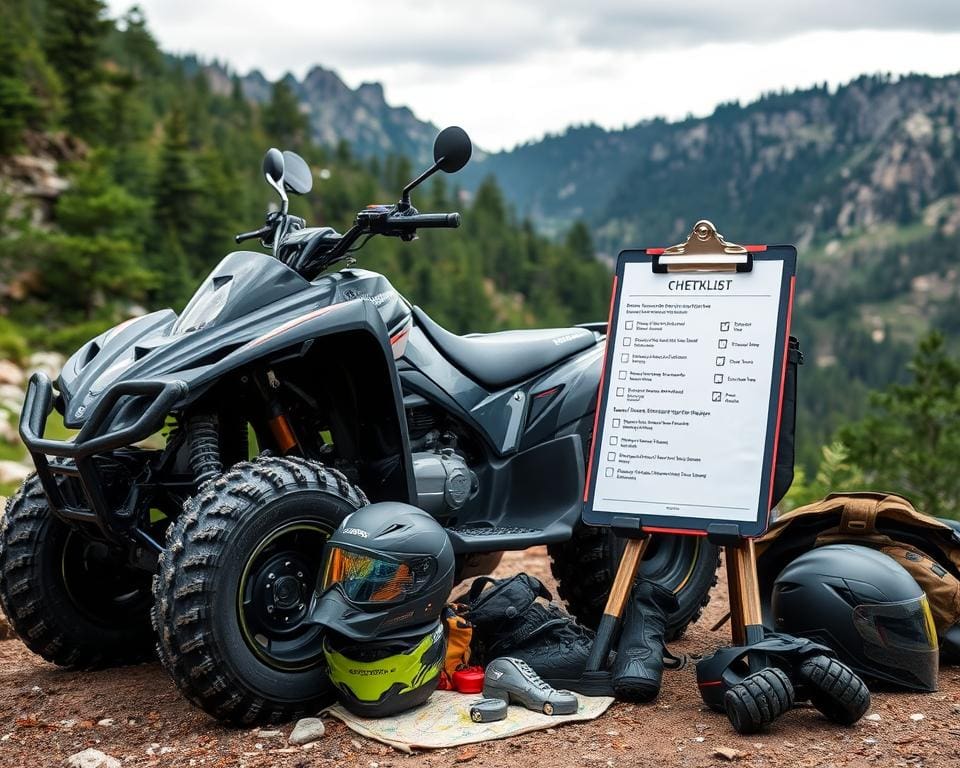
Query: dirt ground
{"x":47,"y":714}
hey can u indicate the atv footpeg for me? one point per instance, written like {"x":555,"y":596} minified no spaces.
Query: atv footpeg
{"x":515,"y":682}
{"x":796,"y":670}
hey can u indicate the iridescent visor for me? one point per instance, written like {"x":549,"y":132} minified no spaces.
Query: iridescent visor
{"x":901,"y":635}
{"x":367,"y":578}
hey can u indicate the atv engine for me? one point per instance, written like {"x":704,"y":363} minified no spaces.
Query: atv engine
{"x":444,"y":481}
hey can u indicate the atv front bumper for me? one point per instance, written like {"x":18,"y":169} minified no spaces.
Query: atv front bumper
{"x":77,"y":454}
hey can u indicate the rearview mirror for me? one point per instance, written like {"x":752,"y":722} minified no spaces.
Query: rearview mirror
{"x":297,"y":177}
{"x":273,"y":165}
{"x":452,"y":149}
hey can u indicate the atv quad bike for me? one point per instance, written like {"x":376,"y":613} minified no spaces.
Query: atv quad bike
{"x":352,"y":394}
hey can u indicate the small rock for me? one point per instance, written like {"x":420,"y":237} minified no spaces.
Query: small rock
{"x":728,"y":753}
{"x":306,"y":730}
{"x":466,"y":755}
{"x":13,"y":472}
{"x":106,"y":722}
{"x":699,"y":739}
{"x":92,"y":758}
{"x":613,"y":733}
{"x":917,"y":717}
{"x":870,"y":741}
{"x":873,"y":717}
{"x":356,"y":744}
{"x":269,"y":734}
{"x":551,"y":731}
{"x":11,"y":373}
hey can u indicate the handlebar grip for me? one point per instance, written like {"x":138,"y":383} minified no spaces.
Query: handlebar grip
{"x":427,"y":221}
{"x":250,"y":235}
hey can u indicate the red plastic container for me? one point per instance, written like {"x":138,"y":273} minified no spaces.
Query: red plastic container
{"x":468,"y":680}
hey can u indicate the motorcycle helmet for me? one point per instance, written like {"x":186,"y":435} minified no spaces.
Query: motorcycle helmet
{"x":866,"y":607}
{"x":383,"y":678}
{"x":387,"y":568}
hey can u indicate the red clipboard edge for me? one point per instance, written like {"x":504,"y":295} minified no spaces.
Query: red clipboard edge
{"x":783,"y":383}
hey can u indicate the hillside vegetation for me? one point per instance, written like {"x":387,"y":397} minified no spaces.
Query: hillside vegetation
{"x":126,"y":172}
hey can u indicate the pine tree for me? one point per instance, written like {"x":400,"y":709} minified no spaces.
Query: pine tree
{"x":17,"y":103}
{"x":283,"y":121}
{"x":73,"y":43}
{"x":175,"y":195}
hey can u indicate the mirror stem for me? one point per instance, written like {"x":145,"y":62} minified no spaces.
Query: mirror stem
{"x":405,"y":197}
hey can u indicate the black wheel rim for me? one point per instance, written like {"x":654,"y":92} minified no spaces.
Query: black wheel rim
{"x":668,"y":560}
{"x":274,"y":596}
{"x":102,"y":587}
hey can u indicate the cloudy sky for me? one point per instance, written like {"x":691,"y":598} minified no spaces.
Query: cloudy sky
{"x":510,"y":71}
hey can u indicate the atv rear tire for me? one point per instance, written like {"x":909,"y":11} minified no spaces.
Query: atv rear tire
{"x":585,"y":566}
{"x":233,"y":588}
{"x":69,"y":598}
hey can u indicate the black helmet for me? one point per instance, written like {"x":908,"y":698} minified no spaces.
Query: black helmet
{"x":866,"y":607}
{"x":387,"y":568}
{"x":383,"y":678}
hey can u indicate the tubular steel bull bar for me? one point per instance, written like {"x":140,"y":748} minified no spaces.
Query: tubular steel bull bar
{"x":79,"y":452}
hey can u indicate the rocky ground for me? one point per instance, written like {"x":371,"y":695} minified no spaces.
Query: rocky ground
{"x":136,"y":717}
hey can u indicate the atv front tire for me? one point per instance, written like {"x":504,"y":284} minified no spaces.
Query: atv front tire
{"x":585,"y":566}
{"x":69,"y":598}
{"x":233,"y":589}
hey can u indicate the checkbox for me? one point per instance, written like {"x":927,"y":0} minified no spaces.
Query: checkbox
{"x":625,"y":358}
{"x":718,"y":378}
{"x":614,"y":440}
{"x":722,"y":344}
{"x":608,"y":472}
{"x":620,"y":391}
{"x":615,"y":423}
{"x":721,"y":360}
{"x":622,"y":375}
{"x":724,"y":327}
{"x":628,"y":325}
{"x":716,"y":397}
{"x":626,"y":341}
{"x":612,"y":456}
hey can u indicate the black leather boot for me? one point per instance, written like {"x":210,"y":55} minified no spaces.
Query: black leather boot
{"x":508,"y":620}
{"x":638,"y":668}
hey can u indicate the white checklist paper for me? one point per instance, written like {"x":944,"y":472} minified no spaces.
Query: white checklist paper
{"x":688,"y":396}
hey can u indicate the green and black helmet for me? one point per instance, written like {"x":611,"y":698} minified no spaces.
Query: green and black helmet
{"x":383,"y":678}
{"x":387,"y":569}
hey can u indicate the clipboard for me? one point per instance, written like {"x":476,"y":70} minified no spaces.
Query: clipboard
{"x":652,"y":412}
{"x":704,"y":252}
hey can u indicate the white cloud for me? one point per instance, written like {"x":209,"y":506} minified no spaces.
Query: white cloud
{"x":508,"y":72}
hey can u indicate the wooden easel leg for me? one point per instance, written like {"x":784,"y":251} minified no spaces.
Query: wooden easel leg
{"x":746,"y":620}
{"x":616,"y":601}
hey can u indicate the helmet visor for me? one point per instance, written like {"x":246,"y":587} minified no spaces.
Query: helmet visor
{"x":901,"y":637}
{"x":366,"y":577}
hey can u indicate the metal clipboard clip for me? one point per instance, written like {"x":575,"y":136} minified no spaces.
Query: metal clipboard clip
{"x":704,"y":251}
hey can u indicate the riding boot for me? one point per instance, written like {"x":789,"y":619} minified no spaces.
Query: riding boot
{"x":638,"y":668}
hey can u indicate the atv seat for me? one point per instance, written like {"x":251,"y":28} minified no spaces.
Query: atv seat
{"x":498,"y":359}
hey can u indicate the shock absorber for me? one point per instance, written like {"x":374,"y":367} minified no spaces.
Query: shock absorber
{"x":203,"y":433}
